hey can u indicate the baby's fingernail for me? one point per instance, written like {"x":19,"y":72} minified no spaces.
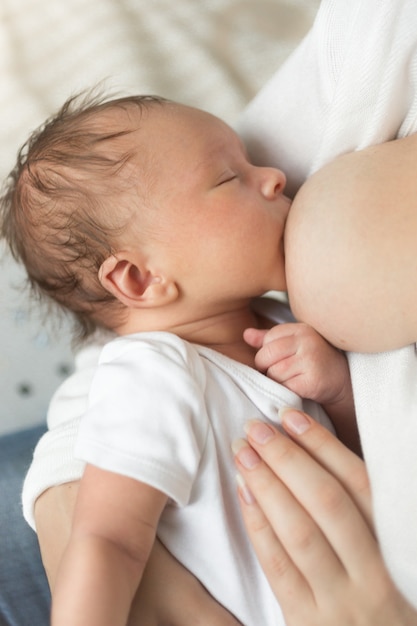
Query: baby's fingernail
{"x":245,"y":454}
{"x":259,"y":431}
{"x":295,"y":421}
{"x":244,"y":491}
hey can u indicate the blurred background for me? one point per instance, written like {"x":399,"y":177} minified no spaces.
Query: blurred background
{"x":213,"y":54}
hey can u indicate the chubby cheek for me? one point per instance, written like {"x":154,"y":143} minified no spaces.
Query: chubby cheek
{"x":277,"y":257}
{"x":269,"y":263}
{"x":282,"y":278}
{"x":276,"y":272}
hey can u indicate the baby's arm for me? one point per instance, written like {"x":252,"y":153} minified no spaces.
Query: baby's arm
{"x":112,"y":535}
{"x":296,"y":356}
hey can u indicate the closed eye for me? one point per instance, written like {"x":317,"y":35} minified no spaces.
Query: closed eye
{"x":226,"y":179}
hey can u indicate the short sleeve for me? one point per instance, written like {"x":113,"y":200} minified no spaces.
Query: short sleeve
{"x":146,"y":413}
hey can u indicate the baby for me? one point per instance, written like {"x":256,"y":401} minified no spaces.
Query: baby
{"x":146,"y":217}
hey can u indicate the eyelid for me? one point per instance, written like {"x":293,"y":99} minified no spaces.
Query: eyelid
{"x":226,"y":177}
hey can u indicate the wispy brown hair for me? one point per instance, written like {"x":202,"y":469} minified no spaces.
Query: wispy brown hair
{"x":51,"y":208}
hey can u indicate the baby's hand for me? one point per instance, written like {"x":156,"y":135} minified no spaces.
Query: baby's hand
{"x":296,"y":356}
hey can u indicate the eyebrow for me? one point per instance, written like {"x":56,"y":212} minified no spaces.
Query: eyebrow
{"x":216,"y":148}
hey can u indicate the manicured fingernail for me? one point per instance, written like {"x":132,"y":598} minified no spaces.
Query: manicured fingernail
{"x":259,"y":431}
{"x":245,"y":454}
{"x":295,"y":421}
{"x":244,"y":491}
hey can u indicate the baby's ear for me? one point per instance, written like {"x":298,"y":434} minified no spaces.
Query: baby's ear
{"x":134,"y":284}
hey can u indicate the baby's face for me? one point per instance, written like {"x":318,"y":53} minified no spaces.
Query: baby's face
{"x":216,"y":220}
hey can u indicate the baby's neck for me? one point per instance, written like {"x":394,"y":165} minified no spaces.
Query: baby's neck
{"x":224,"y":333}
{"x":239,"y":351}
{"x":220,"y":331}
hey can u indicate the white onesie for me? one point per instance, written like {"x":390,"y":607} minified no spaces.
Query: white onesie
{"x":164,"y":411}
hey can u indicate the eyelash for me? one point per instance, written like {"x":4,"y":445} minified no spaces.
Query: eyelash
{"x":228,"y":180}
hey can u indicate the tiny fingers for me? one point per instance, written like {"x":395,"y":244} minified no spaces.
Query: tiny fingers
{"x":254,"y":337}
{"x":277,"y":352}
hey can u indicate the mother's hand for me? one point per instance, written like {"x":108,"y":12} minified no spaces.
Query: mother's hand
{"x":311,"y":527}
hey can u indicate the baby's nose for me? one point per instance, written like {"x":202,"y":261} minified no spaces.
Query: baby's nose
{"x":273,"y":183}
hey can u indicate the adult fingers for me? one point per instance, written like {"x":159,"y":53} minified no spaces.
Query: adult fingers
{"x":288,"y":541}
{"x":289,"y":585}
{"x":333,"y":455}
{"x":319,"y":514}
{"x":360,"y":590}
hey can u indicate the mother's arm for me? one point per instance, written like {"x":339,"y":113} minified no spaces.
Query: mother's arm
{"x":168,"y":593}
{"x":351,"y":249}
{"x":311,"y":527}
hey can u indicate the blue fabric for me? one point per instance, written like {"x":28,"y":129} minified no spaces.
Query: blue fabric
{"x":24,"y":592}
